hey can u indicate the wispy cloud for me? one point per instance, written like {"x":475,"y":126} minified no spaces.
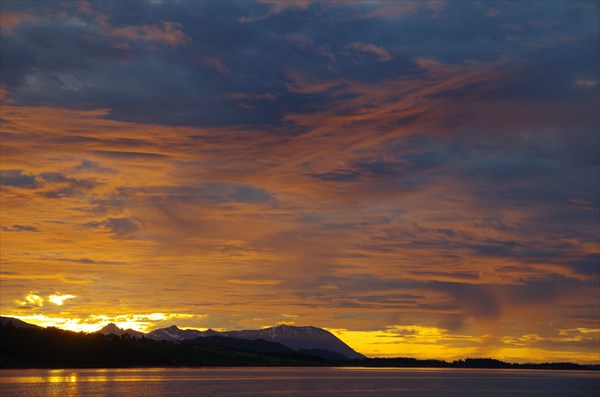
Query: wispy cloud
{"x":276,"y":7}
{"x":369,"y":48}
{"x":167,"y":32}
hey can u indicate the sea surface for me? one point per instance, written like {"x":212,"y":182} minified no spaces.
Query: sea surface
{"x":310,"y":382}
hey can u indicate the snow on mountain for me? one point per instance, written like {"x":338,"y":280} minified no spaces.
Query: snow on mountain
{"x":305,"y":339}
{"x":173,"y":333}
{"x":296,"y":338}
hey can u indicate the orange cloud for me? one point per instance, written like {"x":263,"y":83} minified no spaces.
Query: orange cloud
{"x":216,"y":64}
{"x":381,"y":53}
{"x":167,"y":32}
{"x":277,"y":7}
{"x":10,"y":21}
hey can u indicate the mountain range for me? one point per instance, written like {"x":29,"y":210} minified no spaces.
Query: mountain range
{"x":307,"y":339}
{"x":24,"y":345}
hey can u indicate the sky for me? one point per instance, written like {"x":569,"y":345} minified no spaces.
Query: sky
{"x":420,"y":178}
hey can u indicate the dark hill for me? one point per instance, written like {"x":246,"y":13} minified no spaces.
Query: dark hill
{"x":324,"y":354}
{"x":24,"y":345}
{"x":254,"y":346}
{"x":55,"y":348}
{"x":299,"y":338}
{"x":15,"y":322}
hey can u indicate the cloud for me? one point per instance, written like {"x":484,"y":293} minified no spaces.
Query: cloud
{"x":10,"y":21}
{"x":17,"y":178}
{"x":19,"y":228}
{"x":216,"y":64}
{"x":101,"y":77}
{"x":127,"y":154}
{"x":58,"y":299}
{"x":302,"y":83}
{"x":277,"y":7}
{"x":123,"y":228}
{"x":381,"y":54}
{"x":32,"y":300}
{"x":255,"y":282}
{"x":70,"y":187}
{"x":166,"y":32}
{"x":86,"y":261}
{"x":220,"y":193}
{"x":91,"y":166}
{"x":305,"y":43}
{"x":493,"y":13}
{"x":389,"y":9}
{"x":587,"y":83}
{"x":337,"y":176}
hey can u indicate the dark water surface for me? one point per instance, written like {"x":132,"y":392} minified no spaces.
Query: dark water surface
{"x":346,"y":382}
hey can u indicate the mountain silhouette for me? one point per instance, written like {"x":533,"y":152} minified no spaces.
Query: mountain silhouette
{"x":174,"y":333}
{"x":307,"y":340}
{"x":24,"y":345}
{"x":299,"y":338}
{"x":254,"y":346}
{"x":113,"y":329}
{"x":15,"y":322}
{"x":296,"y":338}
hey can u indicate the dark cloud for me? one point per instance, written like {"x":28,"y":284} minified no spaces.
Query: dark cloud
{"x":450,"y":274}
{"x":69,"y":187}
{"x":215,"y":193}
{"x":122,"y":228}
{"x":128,"y":155}
{"x":86,"y":261}
{"x":91,"y":166}
{"x":17,"y":178}
{"x":118,"y":66}
{"x":586,"y":264}
{"x":337,"y":176}
{"x":19,"y":228}
{"x":54,"y":177}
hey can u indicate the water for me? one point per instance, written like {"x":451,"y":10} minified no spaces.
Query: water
{"x":311,"y":382}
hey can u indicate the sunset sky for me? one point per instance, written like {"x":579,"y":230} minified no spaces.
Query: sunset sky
{"x":420,"y":178}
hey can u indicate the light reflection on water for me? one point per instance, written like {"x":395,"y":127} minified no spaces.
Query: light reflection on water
{"x":343,"y":382}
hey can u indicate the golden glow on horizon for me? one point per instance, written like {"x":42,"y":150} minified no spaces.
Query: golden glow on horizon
{"x":431,"y":342}
{"x":137,"y":322}
{"x":409,"y":341}
{"x":398,"y":341}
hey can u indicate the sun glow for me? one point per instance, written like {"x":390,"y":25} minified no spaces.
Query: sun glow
{"x":408,"y":341}
{"x":432,"y":342}
{"x":31,"y":299}
{"x":60,"y":299}
{"x":92,"y":323}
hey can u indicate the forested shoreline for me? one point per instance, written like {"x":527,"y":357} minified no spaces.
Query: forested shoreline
{"x":55,"y":348}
